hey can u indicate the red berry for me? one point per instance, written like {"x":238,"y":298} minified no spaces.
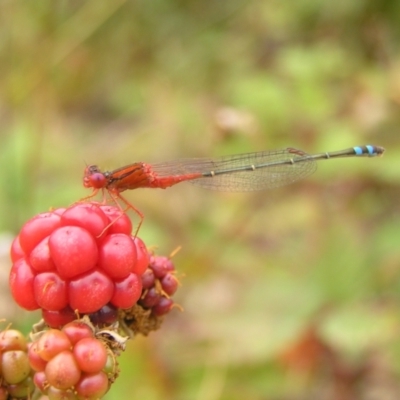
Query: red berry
{"x":142,"y":256}
{"x":40,"y":381}
{"x":163,"y":306}
{"x":88,"y":216}
{"x":118,"y":220}
{"x":127,"y":291}
{"x":150,"y":299}
{"x":161,"y":265}
{"x":36,"y":362}
{"x":16,"y":251}
{"x":117,"y":255}
{"x":169,"y":284}
{"x":40,"y":258}
{"x":74,"y":250}
{"x":57,"y":319}
{"x":21,"y":284}
{"x":92,"y":386}
{"x":148,"y":278}
{"x":62,"y":266}
{"x":76,"y":331}
{"x":107,"y":315}
{"x":90,"y":354}
{"x":50,"y":291}
{"x":89,"y":292}
{"x":62,"y":371}
{"x":36,"y":229}
{"x":51,"y":343}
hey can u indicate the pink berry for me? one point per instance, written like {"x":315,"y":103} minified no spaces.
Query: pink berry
{"x":89,"y":292}
{"x":36,"y":362}
{"x":36,"y":229}
{"x":76,"y":331}
{"x":142,"y":256}
{"x":40,"y":258}
{"x":21,"y":284}
{"x":127,"y":291}
{"x":57,"y":319}
{"x":73,"y":250}
{"x":50,"y":291}
{"x":51,"y":343}
{"x":117,"y":255}
{"x":92,"y":386}
{"x":90,"y":354}
{"x":88,"y":216}
{"x":40,"y":381}
{"x":16,"y":251}
{"x":118,"y":220}
{"x":62,"y":371}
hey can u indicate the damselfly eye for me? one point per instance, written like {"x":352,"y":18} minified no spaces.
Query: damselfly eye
{"x":96,"y":180}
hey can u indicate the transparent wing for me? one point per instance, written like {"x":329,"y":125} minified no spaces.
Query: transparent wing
{"x":242,"y":172}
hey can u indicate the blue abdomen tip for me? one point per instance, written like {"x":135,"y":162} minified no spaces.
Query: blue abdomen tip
{"x":358,"y":150}
{"x":371,"y":149}
{"x":368,"y":149}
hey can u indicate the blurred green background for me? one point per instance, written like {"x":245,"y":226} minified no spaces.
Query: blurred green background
{"x":288,"y":294}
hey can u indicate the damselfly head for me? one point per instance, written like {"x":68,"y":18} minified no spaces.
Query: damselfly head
{"x":94,"y":178}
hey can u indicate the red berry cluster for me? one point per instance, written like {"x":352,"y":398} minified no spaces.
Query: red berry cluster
{"x":159,"y":284}
{"x":71,"y":363}
{"x":77,"y":260}
{"x":90,"y":277}
{"x":15,"y":371}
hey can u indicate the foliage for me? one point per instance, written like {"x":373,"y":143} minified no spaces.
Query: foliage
{"x":120,"y":81}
